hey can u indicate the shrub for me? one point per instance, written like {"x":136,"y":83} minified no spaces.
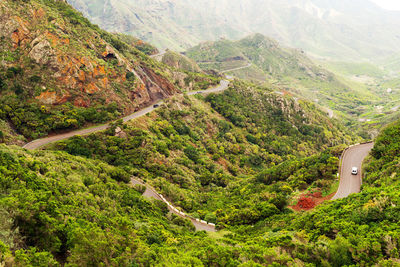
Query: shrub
{"x":18,"y":89}
{"x":130,"y":76}
{"x":192,"y":153}
{"x":13,"y":71}
{"x":35,"y":79}
{"x":2,"y":84}
{"x":120,"y":175}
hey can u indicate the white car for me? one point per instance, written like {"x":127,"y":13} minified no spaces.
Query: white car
{"x":354,"y":171}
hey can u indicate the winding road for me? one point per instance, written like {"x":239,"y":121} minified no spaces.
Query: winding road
{"x":352,"y":157}
{"x":224,"y":84}
{"x":152,"y":193}
{"x":158,"y":56}
{"x":238,"y":68}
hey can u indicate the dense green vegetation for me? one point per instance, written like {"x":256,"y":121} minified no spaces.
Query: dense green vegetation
{"x":33,"y":120}
{"x":361,"y":230}
{"x":240,"y":159}
{"x":110,"y":223}
{"x":56,"y":208}
{"x":203,"y":154}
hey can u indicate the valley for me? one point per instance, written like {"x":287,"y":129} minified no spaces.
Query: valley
{"x":182,"y":137}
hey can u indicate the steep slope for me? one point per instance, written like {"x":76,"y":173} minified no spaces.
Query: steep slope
{"x":179,"y":61}
{"x":268,"y":55}
{"x":140,"y":45}
{"x":357,"y":30}
{"x":59,"y":71}
{"x":260,"y":58}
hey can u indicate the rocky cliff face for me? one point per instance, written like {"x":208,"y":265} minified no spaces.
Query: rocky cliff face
{"x":74,"y":61}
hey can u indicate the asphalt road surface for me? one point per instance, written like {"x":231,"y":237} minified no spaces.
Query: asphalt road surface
{"x":353,"y":157}
{"x":51,"y":139}
{"x":151,"y":193}
{"x":238,"y":68}
{"x":159,"y":55}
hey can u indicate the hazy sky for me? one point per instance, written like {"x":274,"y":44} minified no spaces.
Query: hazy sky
{"x":388,"y":4}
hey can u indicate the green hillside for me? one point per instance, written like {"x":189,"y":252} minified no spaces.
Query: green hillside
{"x":60,"y":72}
{"x":200,"y":153}
{"x":262,"y":59}
{"x":179,"y":61}
{"x":83,"y":213}
{"x":258,"y":159}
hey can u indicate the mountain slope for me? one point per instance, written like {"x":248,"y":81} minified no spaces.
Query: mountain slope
{"x":356,"y":30}
{"x":260,"y":58}
{"x":195,"y":151}
{"x":59,"y":71}
{"x":179,"y":61}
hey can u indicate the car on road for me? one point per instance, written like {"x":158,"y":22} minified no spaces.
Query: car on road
{"x":354,"y":171}
{"x":199,"y":92}
{"x":156,"y":105}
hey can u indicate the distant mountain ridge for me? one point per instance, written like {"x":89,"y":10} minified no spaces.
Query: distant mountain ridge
{"x":262,"y":59}
{"x":355,"y":30}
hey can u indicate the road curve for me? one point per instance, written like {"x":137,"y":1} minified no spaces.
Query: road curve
{"x":159,"y":55}
{"x":352,"y":157}
{"x":224,"y":84}
{"x":238,"y":68}
{"x":151,"y":193}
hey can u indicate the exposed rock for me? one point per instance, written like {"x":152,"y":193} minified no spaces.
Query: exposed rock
{"x":74,"y":63}
{"x":110,"y":53}
{"x":81,"y":102}
{"x":14,"y":28}
{"x":92,"y":88}
{"x":63,"y":98}
{"x":120,"y":133}
{"x":118,"y":130}
{"x":38,"y":13}
{"x":49,"y":98}
{"x":179,"y":78}
{"x":41,"y":52}
{"x":7,"y":26}
{"x":155,"y":87}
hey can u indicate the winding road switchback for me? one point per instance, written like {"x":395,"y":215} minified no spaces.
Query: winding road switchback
{"x":224,"y":84}
{"x":352,"y":157}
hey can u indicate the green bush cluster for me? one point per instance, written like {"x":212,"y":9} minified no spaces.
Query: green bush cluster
{"x":34,"y":120}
